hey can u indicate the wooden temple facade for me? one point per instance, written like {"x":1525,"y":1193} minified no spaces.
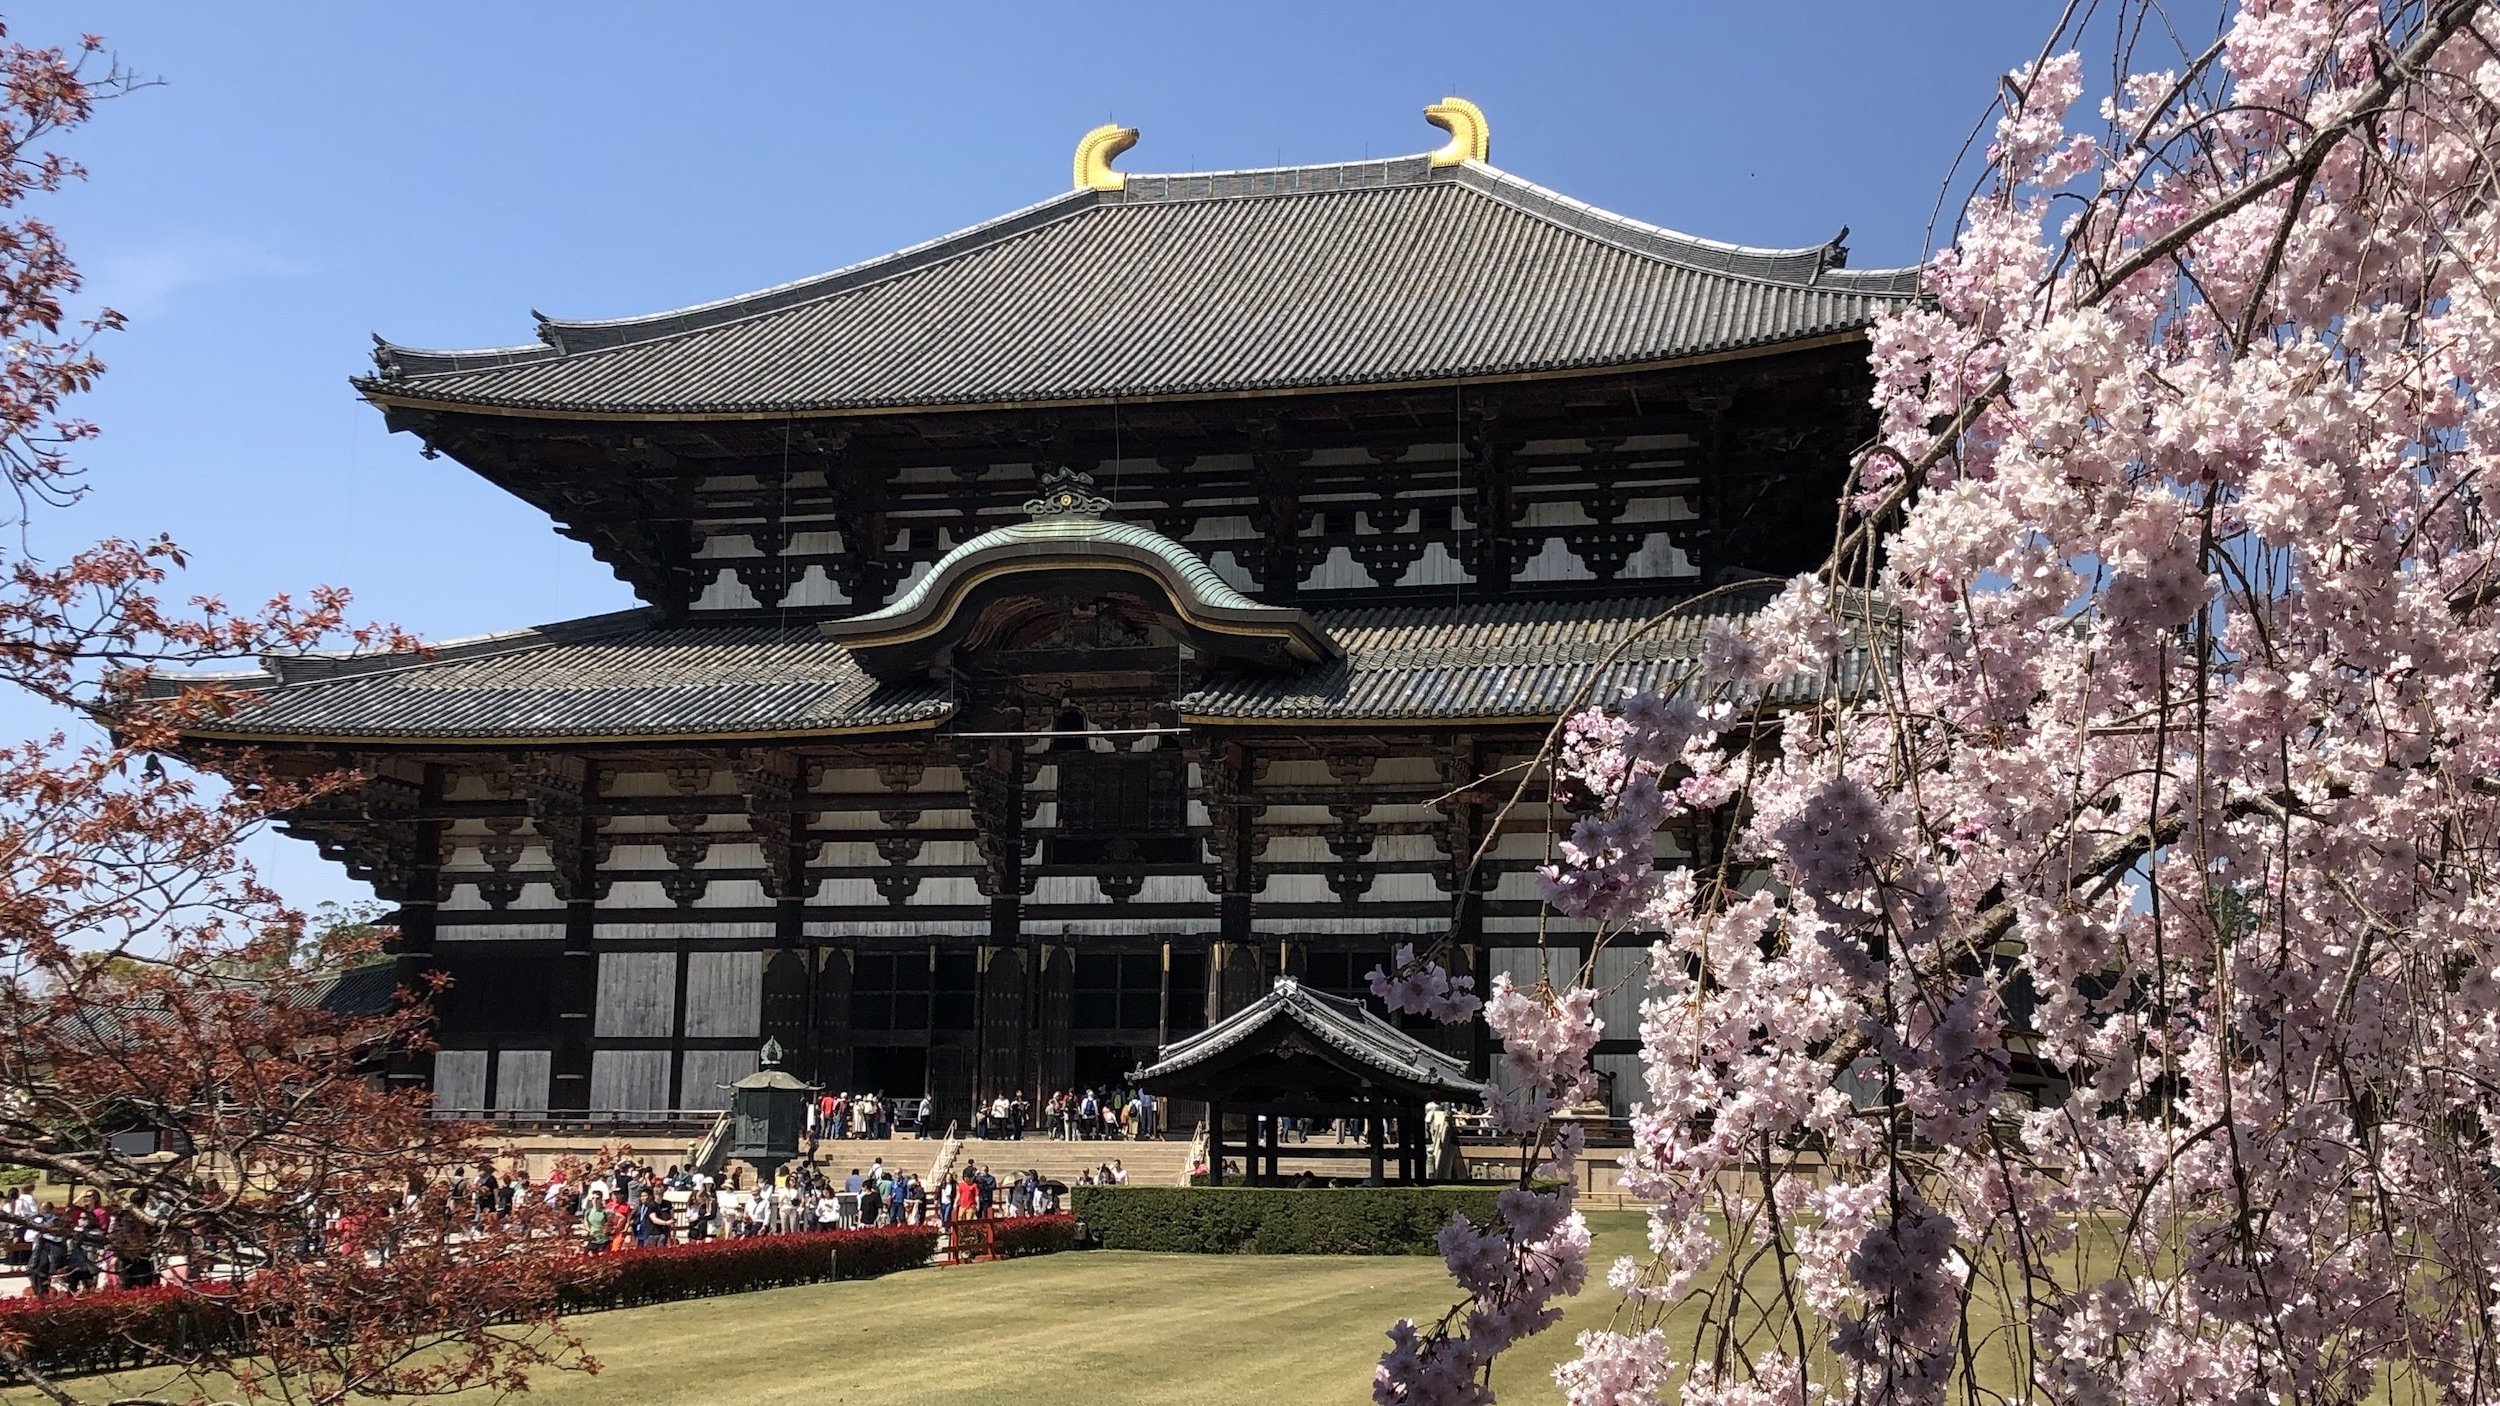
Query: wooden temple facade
{"x":1054,"y":633}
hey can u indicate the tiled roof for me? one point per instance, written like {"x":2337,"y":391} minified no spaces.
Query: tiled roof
{"x":1368,"y":273}
{"x":628,"y":675}
{"x":1345,"y":1026}
{"x":619,"y":675}
{"x":1499,"y":660}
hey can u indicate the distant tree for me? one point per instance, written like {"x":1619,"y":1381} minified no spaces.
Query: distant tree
{"x":2153,"y":761}
{"x":149,"y":980}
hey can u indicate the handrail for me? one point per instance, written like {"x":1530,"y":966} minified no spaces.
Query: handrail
{"x":708,"y":1154}
{"x":948,"y":1151}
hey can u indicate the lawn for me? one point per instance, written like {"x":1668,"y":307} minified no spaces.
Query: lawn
{"x":1092,"y":1329}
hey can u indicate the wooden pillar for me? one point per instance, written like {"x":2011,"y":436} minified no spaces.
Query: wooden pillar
{"x":415,"y":920}
{"x":1269,"y":1136}
{"x":1215,"y":1143}
{"x":1372,"y":1134}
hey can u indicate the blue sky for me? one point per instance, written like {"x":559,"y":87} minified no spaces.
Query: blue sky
{"x":308,"y":175}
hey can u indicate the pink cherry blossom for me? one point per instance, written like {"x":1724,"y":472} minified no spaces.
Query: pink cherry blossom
{"x":2104,"y":973}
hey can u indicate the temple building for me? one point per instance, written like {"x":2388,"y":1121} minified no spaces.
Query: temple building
{"x":1053,"y":633}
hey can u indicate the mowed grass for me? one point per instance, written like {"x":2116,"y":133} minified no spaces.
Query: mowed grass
{"x":1103,"y":1328}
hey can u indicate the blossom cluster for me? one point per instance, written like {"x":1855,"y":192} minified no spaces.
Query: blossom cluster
{"x":2103,"y":975}
{"x":1512,"y":1270}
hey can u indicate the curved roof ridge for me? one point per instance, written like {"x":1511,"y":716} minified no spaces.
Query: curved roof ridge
{"x":798,"y":290}
{"x":313,"y":666}
{"x":1210,"y":588}
{"x":278,"y":670}
{"x":1382,"y":163}
{"x":1067,"y":540}
{"x":563,"y":337}
{"x":1769,"y":265}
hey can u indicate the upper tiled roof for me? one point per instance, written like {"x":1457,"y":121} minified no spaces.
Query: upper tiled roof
{"x":1368,"y":273}
{"x":627,"y":675}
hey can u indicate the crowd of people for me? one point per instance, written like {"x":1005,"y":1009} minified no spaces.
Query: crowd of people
{"x":77,"y":1247}
{"x":1070,"y":1114}
{"x":73,"y":1248}
{"x":857,"y":1116}
{"x":632,"y":1205}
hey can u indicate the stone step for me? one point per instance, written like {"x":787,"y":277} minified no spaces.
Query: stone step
{"x":1154,"y":1162}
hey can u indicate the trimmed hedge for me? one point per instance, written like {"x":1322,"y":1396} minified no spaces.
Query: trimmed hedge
{"x":1278,"y":1220}
{"x":118,"y":1328}
{"x":1014,"y":1237}
{"x":702,"y":1268}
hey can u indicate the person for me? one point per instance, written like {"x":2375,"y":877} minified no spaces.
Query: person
{"x":48,"y":1258}
{"x":1089,"y":1116}
{"x":1119,"y":1173}
{"x":595,"y":1226}
{"x":134,"y":1258}
{"x":23,"y":1211}
{"x":1085,"y":1177}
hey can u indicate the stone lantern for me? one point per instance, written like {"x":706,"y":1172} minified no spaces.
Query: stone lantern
{"x":768,"y":1112}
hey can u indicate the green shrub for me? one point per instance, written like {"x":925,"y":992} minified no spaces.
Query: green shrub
{"x":1277,"y":1220}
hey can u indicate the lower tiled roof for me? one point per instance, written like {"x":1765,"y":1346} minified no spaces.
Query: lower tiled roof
{"x":1523,"y":659}
{"x":628,"y":675}
{"x":631,"y":678}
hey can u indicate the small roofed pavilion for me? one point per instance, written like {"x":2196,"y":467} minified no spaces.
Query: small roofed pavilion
{"x":1300,"y":1053}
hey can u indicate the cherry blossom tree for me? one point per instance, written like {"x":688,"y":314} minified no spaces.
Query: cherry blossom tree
{"x":151,"y":983}
{"x":2097,"y":999}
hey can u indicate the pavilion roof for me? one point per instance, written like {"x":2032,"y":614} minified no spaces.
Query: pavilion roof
{"x":1344,"y":1032}
{"x":631,"y":675}
{"x":1369,"y":273}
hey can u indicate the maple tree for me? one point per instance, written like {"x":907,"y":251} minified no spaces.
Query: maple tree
{"x":152,"y":984}
{"x":2098,"y":998}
